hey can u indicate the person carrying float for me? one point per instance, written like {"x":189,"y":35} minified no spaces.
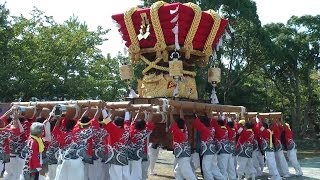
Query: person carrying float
{"x":224,"y":150}
{"x":78,"y":154}
{"x":267,"y":147}
{"x":291,"y":149}
{"x":208,"y":149}
{"x":99,"y":169}
{"x":281,"y":161}
{"x":6,"y":132}
{"x":181,"y":147}
{"x":257,"y":157}
{"x":139,"y":132}
{"x":118,"y":130}
{"x":244,"y":149}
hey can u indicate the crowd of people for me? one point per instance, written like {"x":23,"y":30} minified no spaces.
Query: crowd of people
{"x":235,"y":150}
{"x":106,"y":146}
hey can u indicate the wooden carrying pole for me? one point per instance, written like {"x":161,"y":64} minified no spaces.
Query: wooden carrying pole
{"x":271,"y":115}
{"x":203,"y":107}
{"x":51,"y":104}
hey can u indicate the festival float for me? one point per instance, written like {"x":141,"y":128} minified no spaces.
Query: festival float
{"x":171,"y":39}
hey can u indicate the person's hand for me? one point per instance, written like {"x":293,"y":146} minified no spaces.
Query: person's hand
{"x":171,"y":109}
{"x":15,"y":113}
{"x":195,"y":115}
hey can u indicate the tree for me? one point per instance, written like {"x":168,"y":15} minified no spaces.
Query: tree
{"x":6,"y":34}
{"x":291,"y":63}
{"x":52,"y":61}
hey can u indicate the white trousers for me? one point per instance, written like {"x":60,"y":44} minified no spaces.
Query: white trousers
{"x":135,"y":169}
{"x":145,"y":166}
{"x":1,"y":166}
{"x":96,"y":171}
{"x":256,"y":163}
{"x":226,"y":164}
{"x":245,"y":166}
{"x":210,"y":168}
{"x":13,"y":168}
{"x":52,"y":170}
{"x":72,"y":169}
{"x":272,"y":166}
{"x":282,"y":164}
{"x":41,"y":177}
{"x":183,"y":169}
{"x":261,"y":160}
{"x":292,"y":156}
{"x":153,"y":157}
{"x":118,"y":172}
{"x":231,"y":168}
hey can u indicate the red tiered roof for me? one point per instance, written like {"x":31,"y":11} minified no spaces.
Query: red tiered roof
{"x":185,"y":17}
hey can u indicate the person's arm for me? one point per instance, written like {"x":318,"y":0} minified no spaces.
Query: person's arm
{"x":38,"y":111}
{"x":173,"y":126}
{"x":86,"y":112}
{"x":150,"y":115}
{"x":98,"y":113}
{"x":16,"y":121}
{"x":149,"y":124}
{"x":5,"y":116}
{"x":137,"y":115}
{"x":181,"y":113}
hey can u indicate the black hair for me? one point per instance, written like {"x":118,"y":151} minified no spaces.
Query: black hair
{"x":100,"y":119}
{"x":40,"y":119}
{"x":21,"y":119}
{"x":85,"y":119}
{"x":70,"y":124}
{"x":265,"y":125}
{"x":140,"y":124}
{"x":205,"y":120}
{"x":220,"y":122}
{"x":9,"y":119}
{"x":2,"y":124}
{"x":52,"y":124}
{"x":248,"y":125}
{"x":180,"y":122}
{"x":119,"y":121}
{"x":230,"y":124}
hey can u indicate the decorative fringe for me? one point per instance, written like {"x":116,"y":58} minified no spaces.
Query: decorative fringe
{"x":214,"y":98}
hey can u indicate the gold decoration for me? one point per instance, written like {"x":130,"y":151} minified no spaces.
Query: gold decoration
{"x":214,"y":75}
{"x":144,"y":27}
{"x":207,"y":50}
{"x":193,"y":29}
{"x":126,"y":72}
{"x":163,"y":85}
{"x":134,"y":48}
{"x":155,"y":66}
{"x":160,"y":46}
{"x":175,"y":67}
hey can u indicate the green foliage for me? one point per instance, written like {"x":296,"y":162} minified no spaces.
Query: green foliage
{"x":50,"y":61}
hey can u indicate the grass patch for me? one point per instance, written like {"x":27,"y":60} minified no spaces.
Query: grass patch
{"x":307,"y":154}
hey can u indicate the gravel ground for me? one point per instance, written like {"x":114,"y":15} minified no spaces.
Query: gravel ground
{"x":164,"y":168}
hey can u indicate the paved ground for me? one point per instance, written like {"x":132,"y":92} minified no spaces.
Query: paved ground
{"x":164,"y":166}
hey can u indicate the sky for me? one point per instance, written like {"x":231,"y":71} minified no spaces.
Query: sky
{"x":98,"y":12}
